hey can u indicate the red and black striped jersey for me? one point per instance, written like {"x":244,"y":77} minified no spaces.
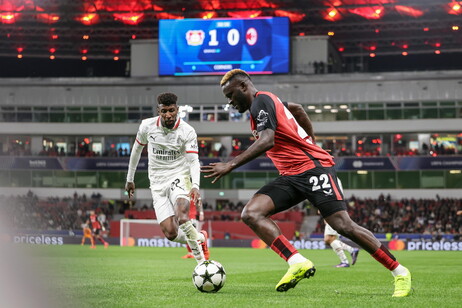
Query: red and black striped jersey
{"x":293,"y":151}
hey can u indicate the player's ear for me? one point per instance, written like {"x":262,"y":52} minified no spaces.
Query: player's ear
{"x":243,"y":86}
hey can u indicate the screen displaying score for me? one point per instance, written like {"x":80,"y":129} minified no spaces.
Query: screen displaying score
{"x":215,"y":46}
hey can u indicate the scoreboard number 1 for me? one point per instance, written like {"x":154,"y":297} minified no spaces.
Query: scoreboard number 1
{"x":233,"y":37}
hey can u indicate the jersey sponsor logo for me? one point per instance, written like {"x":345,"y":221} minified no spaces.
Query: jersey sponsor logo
{"x":168,"y":155}
{"x":262,"y":118}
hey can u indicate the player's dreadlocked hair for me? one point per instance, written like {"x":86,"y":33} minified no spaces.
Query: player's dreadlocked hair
{"x":167,"y":99}
{"x":232,"y":73}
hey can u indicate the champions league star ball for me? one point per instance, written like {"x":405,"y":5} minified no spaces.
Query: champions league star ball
{"x":209,"y":276}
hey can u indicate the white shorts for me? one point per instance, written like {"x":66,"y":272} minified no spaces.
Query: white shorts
{"x":164,"y":195}
{"x":329,"y":231}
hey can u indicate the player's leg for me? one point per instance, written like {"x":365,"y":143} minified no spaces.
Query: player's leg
{"x":172,"y":214}
{"x":335,"y":244}
{"x":256,"y":214}
{"x":353,"y":251}
{"x":195,"y":240}
{"x":343,"y":224}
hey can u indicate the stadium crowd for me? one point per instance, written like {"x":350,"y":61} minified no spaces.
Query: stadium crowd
{"x":382,"y":215}
{"x":29,"y":212}
{"x":424,"y":216}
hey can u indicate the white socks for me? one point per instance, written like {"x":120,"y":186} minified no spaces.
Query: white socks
{"x":193,"y":238}
{"x":338,"y":249}
{"x":400,"y":270}
{"x":296,"y":258}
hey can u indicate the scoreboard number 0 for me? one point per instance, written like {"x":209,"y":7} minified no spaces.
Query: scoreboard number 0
{"x":233,"y":37}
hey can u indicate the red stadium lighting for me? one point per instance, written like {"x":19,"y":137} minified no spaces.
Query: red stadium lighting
{"x":293,"y":16}
{"x":454,"y":8}
{"x":89,"y":19}
{"x":116,"y":51}
{"x":133,"y":36}
{"x":20,"y":49}
{"x":8,"y":18}
{"x":438,"y":44}
{"x":341,"y":49}
{"x":373,"y":47}
{"x":426,"y":29}
{"x":208,"y":15}
{"x":377,"y":30}
{"x":129,"y":18}
{"x":54,"y":37}
{"x":332,"y":14}
{"x":84,"y":51}
{"x":374,"y":12}
{"x":52,"y":50}
{"x":405,"y":46}
{"x":301,"y":34}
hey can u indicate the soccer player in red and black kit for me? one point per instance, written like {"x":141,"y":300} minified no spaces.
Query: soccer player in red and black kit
{"x":96,"y":229}
{"x":285,"y":133}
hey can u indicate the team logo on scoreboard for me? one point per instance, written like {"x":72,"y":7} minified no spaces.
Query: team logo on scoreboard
{"x":195,"y":37}
{"x":251,"y":36}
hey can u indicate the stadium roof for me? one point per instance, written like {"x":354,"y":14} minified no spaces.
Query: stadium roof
{"x":102,"y":29}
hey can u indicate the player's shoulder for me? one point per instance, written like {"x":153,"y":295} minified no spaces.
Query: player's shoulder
{"x":186,"y":127}
{"x":148,"y":122}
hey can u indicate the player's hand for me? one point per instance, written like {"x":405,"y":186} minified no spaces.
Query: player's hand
{"x":130,"y":189}
{"x":216,"y":170}
{"x":195,"y":195}
{"x":201,"y":216}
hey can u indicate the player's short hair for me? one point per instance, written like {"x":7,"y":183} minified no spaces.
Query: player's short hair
{"x":233,"y":73}
{"x":167,"y":99}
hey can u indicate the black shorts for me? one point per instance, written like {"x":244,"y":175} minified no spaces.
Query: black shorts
{"x":319,"y":185}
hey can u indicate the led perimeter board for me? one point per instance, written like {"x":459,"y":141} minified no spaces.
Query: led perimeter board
{"x":214,"y":46}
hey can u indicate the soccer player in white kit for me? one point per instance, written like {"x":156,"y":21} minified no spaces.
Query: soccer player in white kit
{"x":174,"y":173}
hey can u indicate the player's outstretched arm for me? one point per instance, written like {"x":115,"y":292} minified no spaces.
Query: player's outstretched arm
{"x":302,"y":118}
{"x":135,"y":156}
{"x":264,"y":142}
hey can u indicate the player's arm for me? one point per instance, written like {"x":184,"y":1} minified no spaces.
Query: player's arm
{"x":192,"y":157}
{"x":302,"y":118}
{"x":264,"y":113}
{"x":135,"y":156}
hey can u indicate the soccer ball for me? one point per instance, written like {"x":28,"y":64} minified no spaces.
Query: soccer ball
{"x":209,"y":276}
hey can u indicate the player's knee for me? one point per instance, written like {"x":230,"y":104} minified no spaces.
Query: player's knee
{"x":345,"y":229}
{"x":250,"y":217}
{"x":171,"y":234}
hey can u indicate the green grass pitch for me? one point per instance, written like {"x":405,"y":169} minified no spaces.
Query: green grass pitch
{"x":158,"y":277}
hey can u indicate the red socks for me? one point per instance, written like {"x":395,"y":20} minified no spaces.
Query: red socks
{"x":386,"y":258}
{"x":283,"y":248}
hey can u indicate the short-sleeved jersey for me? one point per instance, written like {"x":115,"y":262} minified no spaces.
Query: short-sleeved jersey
{"x":94,"y":222}
{"x":167,"y":148}
{"x":293,"y":151}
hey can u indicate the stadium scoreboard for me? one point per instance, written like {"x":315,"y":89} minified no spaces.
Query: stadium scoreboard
{"x":214,"y":46}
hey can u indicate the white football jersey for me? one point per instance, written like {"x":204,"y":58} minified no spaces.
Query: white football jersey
{"x":167,"y":148}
